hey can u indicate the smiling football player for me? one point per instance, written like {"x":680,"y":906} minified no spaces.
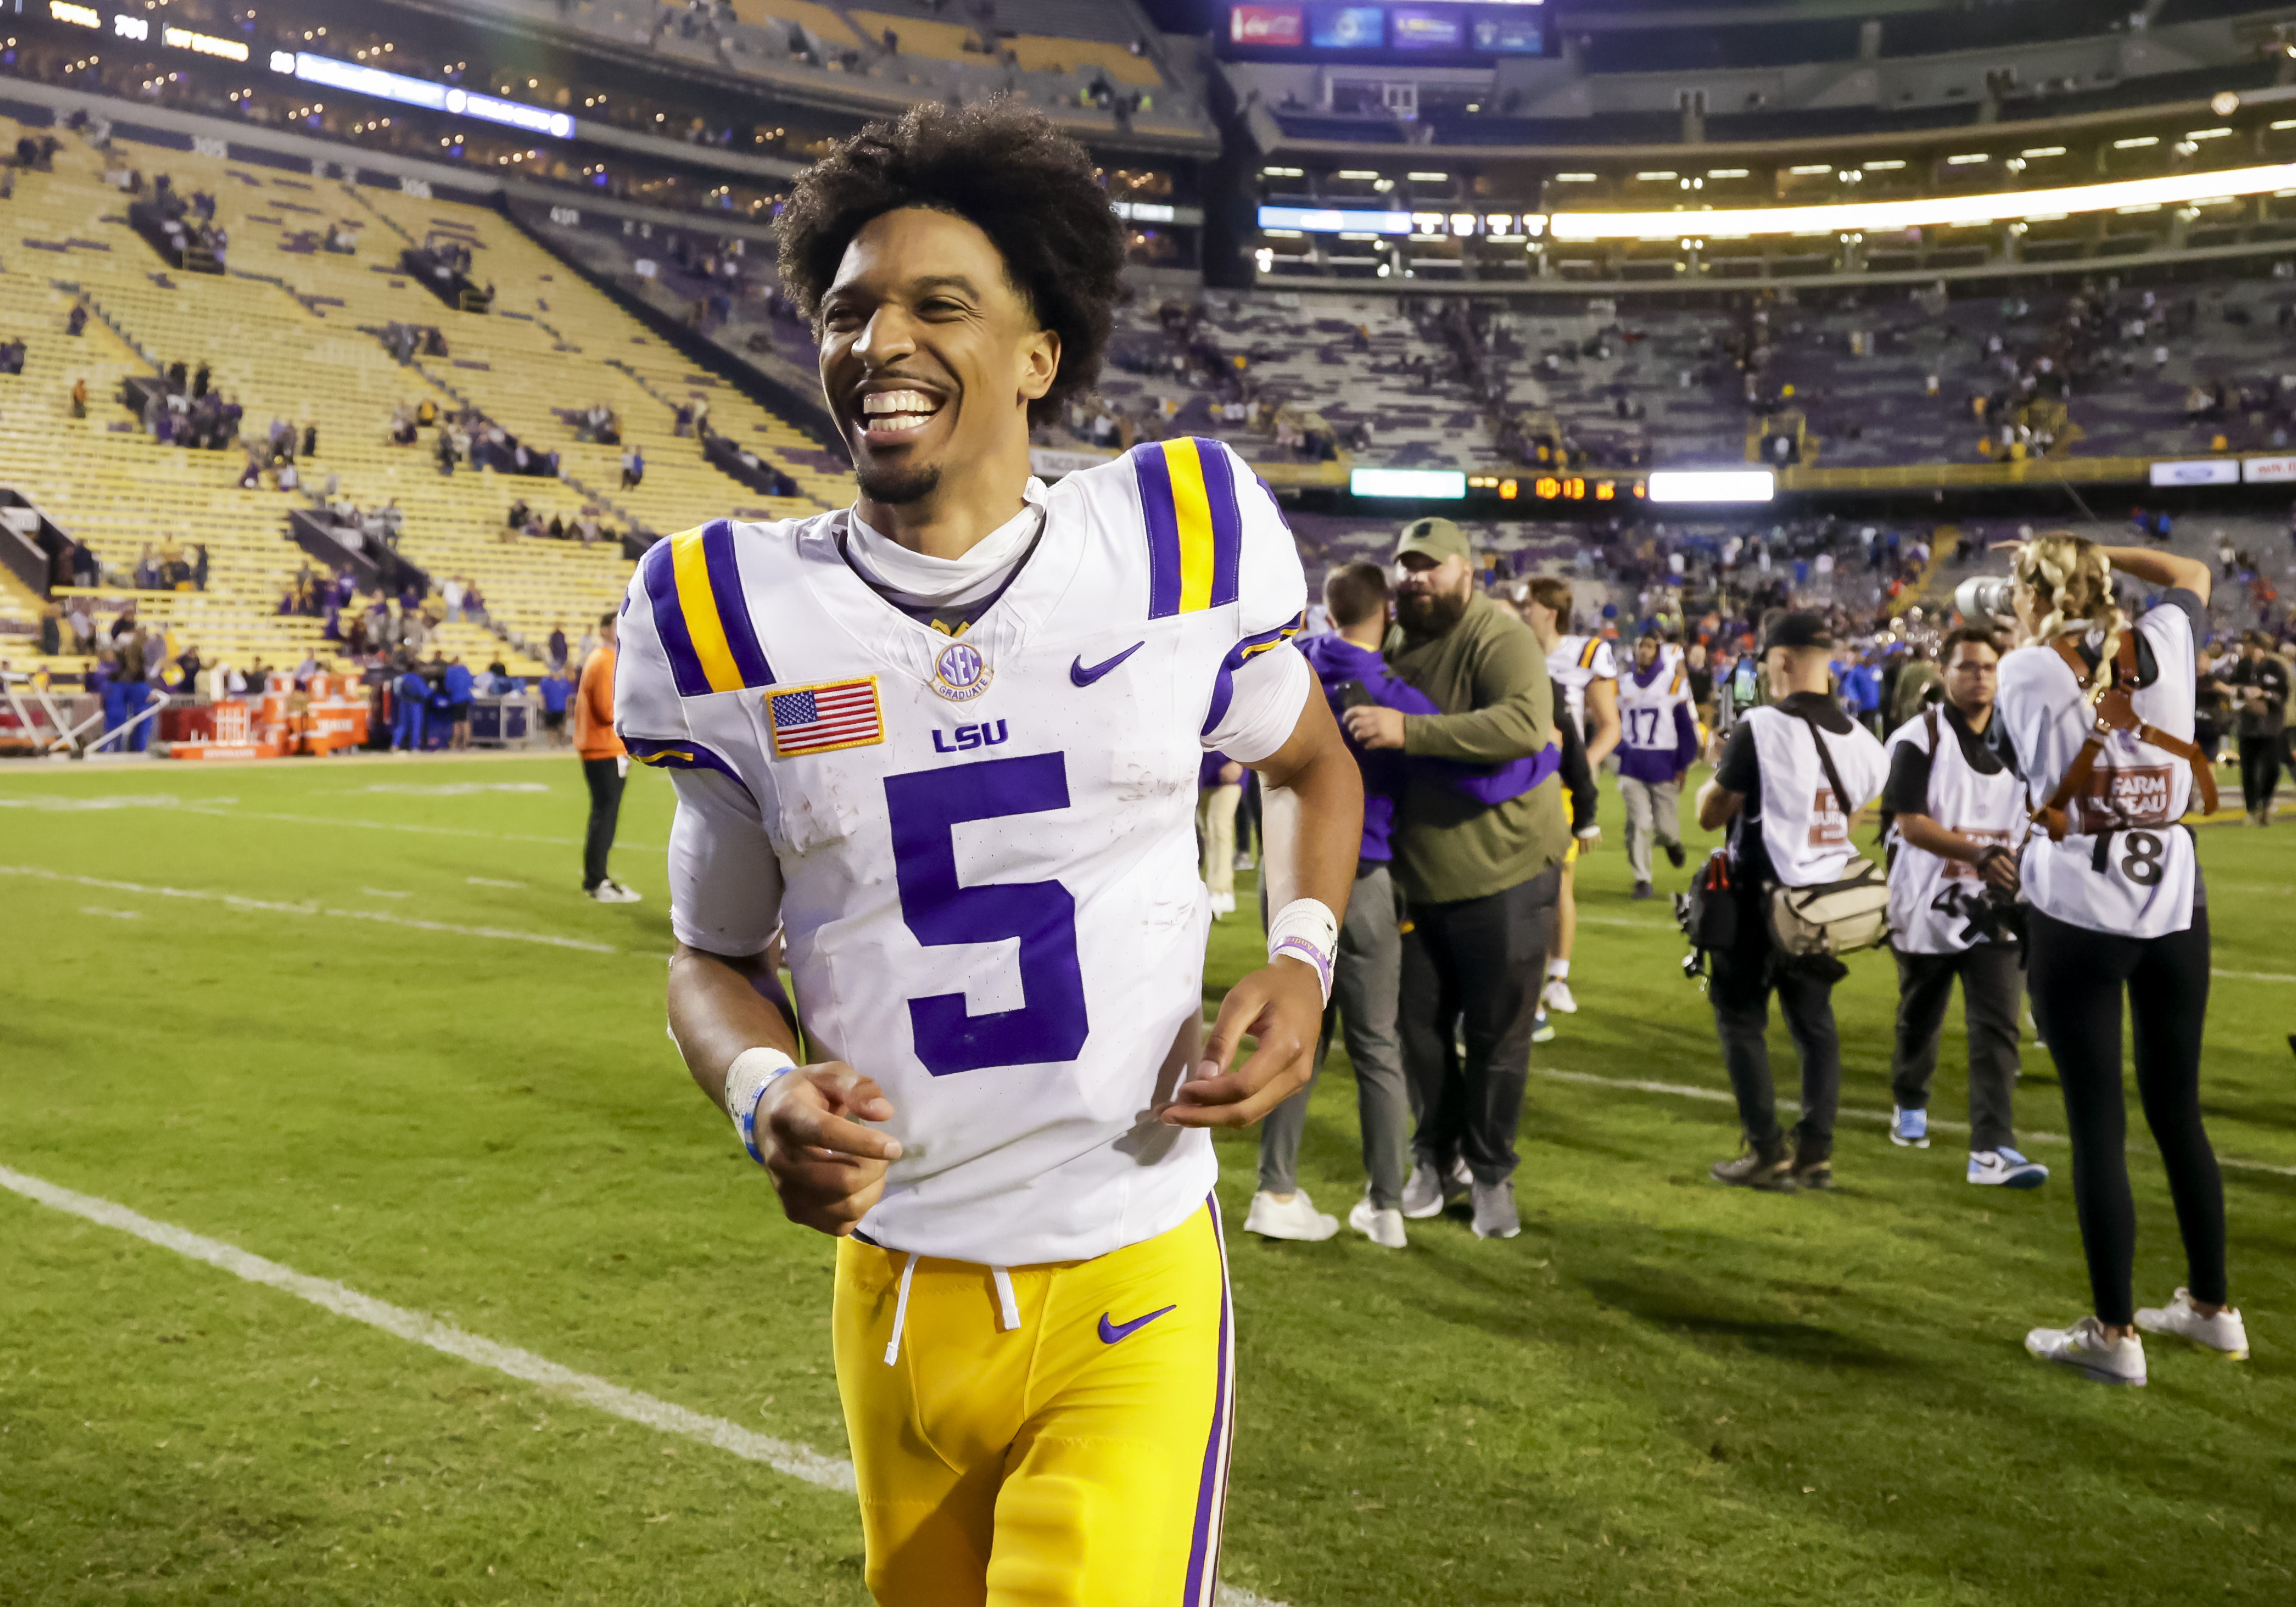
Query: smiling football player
{"x":943,"y":745}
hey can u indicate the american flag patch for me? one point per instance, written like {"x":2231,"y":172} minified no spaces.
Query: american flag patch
{"x":825,"y":717}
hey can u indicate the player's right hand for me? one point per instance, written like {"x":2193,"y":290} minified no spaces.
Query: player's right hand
{"x":826,"y":1166}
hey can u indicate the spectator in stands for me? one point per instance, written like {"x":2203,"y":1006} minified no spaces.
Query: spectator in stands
{"x":632,"y":468}
{"x":79,"y":398}
{"x":558,"y":645}
{"x":78,"y":321}
{"x":187,"y":667}
{"x":605,"y":763}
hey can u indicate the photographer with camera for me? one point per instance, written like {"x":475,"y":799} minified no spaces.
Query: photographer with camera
{"x":1954,"y":813}
{"x":2097,"y":715}
{"x":1780,"y":788}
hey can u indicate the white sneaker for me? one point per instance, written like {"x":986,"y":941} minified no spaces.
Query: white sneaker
{"x":1293,"y":1218}
{"x":2005,"y":1169}
{"x":2084,"y":1346}
{"x":1223,"y":903}
{"x":1422,"y":1194}
{"x":1910,"y":1129}
{"x":1381,"y":1227}
{"x":610,"y":891}
{"x":1496,"y":1216}
{"x":2224,"y":1332}
{"x":1556,"y":995}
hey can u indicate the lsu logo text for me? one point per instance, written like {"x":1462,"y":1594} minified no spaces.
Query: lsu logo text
{"x":987,"y":734}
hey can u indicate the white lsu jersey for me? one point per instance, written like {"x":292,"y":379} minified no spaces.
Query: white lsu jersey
{"x":2125,"y":866}
{"x":1928,"y":892}
{"x":1646,"y":716}
{"x":1575,"y":663}
{"x":1804,"y":826}
{"x":981,"y":847}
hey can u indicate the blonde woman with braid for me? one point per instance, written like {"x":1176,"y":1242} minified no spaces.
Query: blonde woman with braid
{"x":2117,"y":907}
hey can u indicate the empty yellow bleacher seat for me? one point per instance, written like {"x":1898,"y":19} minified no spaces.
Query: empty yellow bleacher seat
{"x":1038,"y":52}
{"x":918,"y":36}
{"x":818,"y":21}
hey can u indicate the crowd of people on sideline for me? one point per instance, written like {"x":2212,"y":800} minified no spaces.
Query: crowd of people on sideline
{"x":2019,"y":863}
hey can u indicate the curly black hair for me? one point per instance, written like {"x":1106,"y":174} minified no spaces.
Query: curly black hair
{"x":1030,"y":188}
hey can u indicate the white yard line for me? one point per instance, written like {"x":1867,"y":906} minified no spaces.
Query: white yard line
{"x":276,"y":908}
{"x":213,"y":810}
{"x":2255,"y":976}
{"x":800,"y":1461}
{"x":1723,"y":1096}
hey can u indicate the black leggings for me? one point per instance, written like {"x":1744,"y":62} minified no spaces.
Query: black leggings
{"x":2077,"y":977}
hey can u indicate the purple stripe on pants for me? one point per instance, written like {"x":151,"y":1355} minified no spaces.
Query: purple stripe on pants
{"x":1203,"y":1552}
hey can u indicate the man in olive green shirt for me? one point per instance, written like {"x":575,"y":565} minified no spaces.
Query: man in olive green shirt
{"x":1481,"y":878}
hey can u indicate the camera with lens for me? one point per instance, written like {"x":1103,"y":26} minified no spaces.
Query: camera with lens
{"x":1987,"y":600}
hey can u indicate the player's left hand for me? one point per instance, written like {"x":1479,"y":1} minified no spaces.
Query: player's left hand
{"x":1375,"y":725}
{"x":1281,"y":1004}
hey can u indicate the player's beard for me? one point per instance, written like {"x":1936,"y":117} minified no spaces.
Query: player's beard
{"x":895,"y":486}
{"x":1429,"y":613}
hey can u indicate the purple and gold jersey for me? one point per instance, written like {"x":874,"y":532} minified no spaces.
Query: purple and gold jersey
{"x":981,"y":846}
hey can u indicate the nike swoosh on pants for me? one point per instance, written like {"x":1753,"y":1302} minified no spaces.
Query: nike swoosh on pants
{"x":1085,"y":677}
{"x":1109,"y":1332}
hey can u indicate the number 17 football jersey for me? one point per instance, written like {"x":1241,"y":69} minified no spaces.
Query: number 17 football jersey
{"x":982,"y":846}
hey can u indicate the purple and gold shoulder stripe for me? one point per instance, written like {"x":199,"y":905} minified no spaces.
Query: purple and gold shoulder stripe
{"x":693,"y":583}
{"x":1195,"y":526}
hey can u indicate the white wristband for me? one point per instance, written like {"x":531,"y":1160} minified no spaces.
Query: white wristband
{"x":1307,"y":930}
{"x":752,"y":1072}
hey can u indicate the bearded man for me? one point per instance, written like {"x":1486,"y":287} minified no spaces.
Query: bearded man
{"x":1481,"y":880}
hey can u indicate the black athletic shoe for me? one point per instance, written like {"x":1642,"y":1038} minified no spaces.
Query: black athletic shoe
{"x":1642,"y":890}
{"x":1673,"y":854}
{"x":1771,"y":1171}
{"x":1815,"y":1172}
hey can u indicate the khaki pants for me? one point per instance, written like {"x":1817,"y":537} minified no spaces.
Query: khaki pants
{"x":1652,"y":811}
{"x":1216,"y":827}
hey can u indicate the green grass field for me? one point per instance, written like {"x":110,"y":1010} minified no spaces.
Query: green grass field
{"x":345,"y":1054}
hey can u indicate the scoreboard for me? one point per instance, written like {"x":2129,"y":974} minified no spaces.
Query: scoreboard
{"x":1471,"y":28}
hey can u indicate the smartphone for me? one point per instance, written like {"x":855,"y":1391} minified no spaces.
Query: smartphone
{"x":1355,"y":694}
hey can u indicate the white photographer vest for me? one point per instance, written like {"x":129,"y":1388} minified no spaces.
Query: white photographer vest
{"x":1804,"y":826}
{"x":1927,"y":891}
{"x":2126,"y":866}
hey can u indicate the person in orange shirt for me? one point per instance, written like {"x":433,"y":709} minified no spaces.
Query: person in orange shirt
{"x":605,"y":763}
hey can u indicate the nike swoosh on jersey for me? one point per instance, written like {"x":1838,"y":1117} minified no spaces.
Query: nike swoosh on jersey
{"x":1109,"y":1332}
{"x":1084,"y":677}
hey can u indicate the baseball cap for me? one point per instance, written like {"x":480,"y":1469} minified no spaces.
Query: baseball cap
{"x":1797,"y":629}
{"x":1439,"y":538}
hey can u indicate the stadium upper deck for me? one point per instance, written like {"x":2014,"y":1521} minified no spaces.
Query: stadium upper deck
{"x":1541,"y":172}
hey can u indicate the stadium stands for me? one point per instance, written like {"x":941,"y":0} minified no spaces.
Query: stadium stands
{"x":293,"y":333}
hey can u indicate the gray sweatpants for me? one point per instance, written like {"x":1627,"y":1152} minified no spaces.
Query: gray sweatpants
{"x":1652,"y":811}
{"x":1365,"y":977}
{"x":1992,"y":985}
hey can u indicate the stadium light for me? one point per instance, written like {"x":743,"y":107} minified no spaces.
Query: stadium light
{"x":1331,"y":220}
{"x":355,"y":80}
{"x":1882,"y":216}
{"x":1712,"y":485}
{"x":1427,"y":484}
